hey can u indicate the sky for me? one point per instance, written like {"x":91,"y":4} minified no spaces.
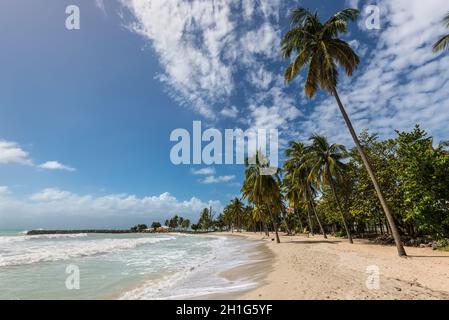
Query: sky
{"x":86,"y":115}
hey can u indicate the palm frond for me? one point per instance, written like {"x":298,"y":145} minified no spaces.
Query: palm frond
{"x":299,"y":15}
{"x":293,"y":69}
{"x":345,"y":55}
{"x":442,"y":44}
{"x":338,"y":22}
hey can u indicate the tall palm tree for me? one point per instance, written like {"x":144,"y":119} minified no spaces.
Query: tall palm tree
{"x":263,"y":190}
{"x":316,"y":45}
{"x":299,"y":187}
{"x":443,"y":43}
{"x":327,"y":168}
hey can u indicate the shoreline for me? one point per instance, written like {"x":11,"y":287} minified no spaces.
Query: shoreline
{"x":315,"y":269}
{"x":242,"y":277}
{"x":255,"y":269}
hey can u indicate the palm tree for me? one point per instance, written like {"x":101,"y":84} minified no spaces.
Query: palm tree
{"x":228,"y":219}
{"x":317,"y":46}
{"x":237,"y":209}
{"x":326,"y":167}
{"x":185,"y":224}
{"x":299,"y":187}
{"x":443,"y":43}
{"x":261,"y":189}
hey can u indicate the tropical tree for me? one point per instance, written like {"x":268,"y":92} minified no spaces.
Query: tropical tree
{"x":263,"y":189}
{"x":155,"y":225}
{"x":173,"y":222}
{"x":299,"y":188}
{"x":206,"y":219}
{"x":327,"y":169}
{"x":236,"y":209}
{"x":443,"y":43}
{"x":316,"y":45}
{"x":185,"y":224}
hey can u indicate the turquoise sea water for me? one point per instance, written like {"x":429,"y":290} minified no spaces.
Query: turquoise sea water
{"x":131,"y":266}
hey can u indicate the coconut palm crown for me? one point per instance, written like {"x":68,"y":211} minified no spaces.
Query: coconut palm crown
{"x":317,"y":47}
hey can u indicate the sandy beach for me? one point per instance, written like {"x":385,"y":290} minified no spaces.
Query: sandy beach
{"x":302,"y":268}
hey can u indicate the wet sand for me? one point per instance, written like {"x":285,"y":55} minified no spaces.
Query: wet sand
{"x":261,"y":263}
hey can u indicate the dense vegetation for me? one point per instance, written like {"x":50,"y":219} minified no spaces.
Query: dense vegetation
{"x":324,"y":189}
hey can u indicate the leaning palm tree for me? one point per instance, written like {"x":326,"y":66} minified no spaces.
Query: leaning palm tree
{"x":316,"y":45}
{"x":263,"y":190}
{"x":298,"y":185}
{"x":443,"y":43}
{"x":327,"y":168}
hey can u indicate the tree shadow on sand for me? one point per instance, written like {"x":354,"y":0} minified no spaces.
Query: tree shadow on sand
{"x":314,"y":242}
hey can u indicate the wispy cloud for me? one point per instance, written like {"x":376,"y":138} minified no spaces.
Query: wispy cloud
{"x":203,"y":46}
{"x":218,"y":179}
{"x":229,"y":112}
{"x":55,"y":165}
{"x":4,"y":190}
{"x":204,"y":171}
{"x":400,"y":82}
{"x":101,"y":5}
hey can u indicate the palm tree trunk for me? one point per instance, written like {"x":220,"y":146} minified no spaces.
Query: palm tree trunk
{"x":299,"y":220}
{"x":273,"y":220}
{"x":310,"y":221}
{"x":318,"y":219}
{"x":287,"y":228}
{"x":331,"y":182}
{"x":267,"y":233}
{"x":383,"y":202}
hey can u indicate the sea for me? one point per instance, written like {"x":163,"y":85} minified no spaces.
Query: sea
{"x":122,"y":266}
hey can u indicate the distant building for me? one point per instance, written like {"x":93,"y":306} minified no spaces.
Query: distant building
{"x":163,"y":229}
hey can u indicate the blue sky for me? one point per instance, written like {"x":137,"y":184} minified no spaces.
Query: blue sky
{"x":86,"y":115}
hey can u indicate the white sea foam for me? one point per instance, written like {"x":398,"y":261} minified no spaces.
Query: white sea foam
{"x":24,"y":237}
{"x":56,"y":236}
{"x":122,"y":266}
{"x":46,"y":251}
{"x":197,"y":277}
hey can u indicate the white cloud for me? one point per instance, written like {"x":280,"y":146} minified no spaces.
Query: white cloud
{"x":53,"y":207}
{"x":204,"y":171}
{"x":4,"y":190}
{"x":273,"y":108}
{"x":230,"y":112}
{"x":189,"y":38}
{"x":100,"y":4}
{"x":203,"y":45}
{"x":11,"y":152}
{"x":55,"y":165}
{"x":263,"y":41}
{"x":400,"y":83}
{"x":216,"y":180}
